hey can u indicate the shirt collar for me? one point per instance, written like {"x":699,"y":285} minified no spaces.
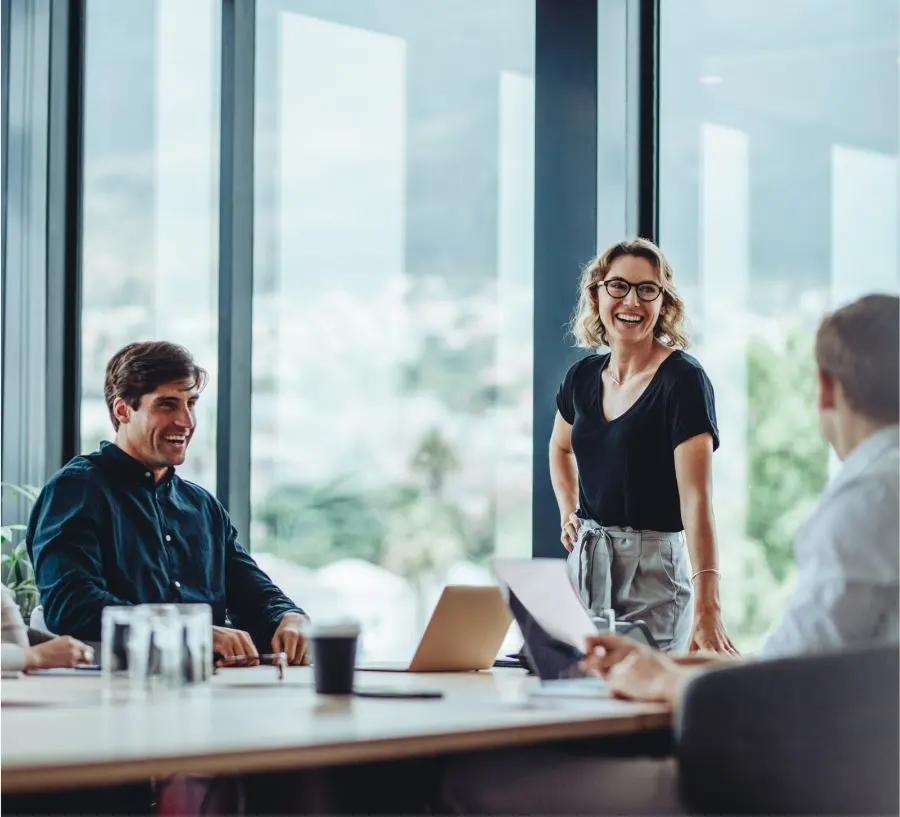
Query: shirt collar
{"x":128,"y":466}
{"x":871,"y":449}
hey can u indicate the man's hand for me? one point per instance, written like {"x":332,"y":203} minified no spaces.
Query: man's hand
{"x":229,"y":643}
{"x":290,"y":639}
{"x":63,"y":651}
{"x":604,"y":651}
{"x":633,"y":670}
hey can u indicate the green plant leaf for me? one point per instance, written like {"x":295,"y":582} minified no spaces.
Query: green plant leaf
{"x":30,"y":492}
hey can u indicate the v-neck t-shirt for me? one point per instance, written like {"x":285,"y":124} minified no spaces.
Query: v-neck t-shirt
{"x":626,"y":466}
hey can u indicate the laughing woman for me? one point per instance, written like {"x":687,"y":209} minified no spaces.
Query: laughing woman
{"x":631,"y":456}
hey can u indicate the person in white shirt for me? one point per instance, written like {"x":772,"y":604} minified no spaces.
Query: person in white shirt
{"x":845,"y":596}
{"x":16,"y":653}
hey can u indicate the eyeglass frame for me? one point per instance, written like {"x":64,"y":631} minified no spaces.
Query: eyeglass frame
{"x":605,"y":285}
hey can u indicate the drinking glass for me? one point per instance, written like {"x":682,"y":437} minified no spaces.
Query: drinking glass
{"x":158,"y":646}
{"x":124,"y":641}
{"x":164,"y":650}
{"x":196,"y":638}
{"x":606,"y":621}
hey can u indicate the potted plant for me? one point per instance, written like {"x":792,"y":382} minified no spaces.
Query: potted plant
{"x":17,"y":572}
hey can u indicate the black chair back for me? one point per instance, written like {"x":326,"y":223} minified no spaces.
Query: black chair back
{"x":812,"y":735}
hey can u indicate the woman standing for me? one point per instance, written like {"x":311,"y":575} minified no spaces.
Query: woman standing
{"x":631,"y":455}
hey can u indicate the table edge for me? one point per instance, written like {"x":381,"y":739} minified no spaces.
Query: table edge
{"x":42,"y":777}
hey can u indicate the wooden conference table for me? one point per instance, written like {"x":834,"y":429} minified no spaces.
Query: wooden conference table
{"x":68,"y":731}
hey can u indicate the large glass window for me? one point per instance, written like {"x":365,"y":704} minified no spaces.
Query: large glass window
{"x":392,"y":333}
{"x":778,"y":202}
{"x":151,"y":162}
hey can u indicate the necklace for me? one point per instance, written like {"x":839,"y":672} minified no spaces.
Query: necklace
{"x":628,"y":376}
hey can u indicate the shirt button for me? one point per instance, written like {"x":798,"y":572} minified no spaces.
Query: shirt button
{"x":178,"y":585}
{"x":168,"y":538}
{"x":147,"y":474}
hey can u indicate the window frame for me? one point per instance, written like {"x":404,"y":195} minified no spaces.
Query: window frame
{"x":565,"y":214}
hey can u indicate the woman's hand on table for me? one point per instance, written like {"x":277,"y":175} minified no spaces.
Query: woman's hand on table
{"x":708,"y":634}
{"x":62,"y":651}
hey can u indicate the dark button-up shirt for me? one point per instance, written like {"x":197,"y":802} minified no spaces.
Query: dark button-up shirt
{"x":103,"y":532}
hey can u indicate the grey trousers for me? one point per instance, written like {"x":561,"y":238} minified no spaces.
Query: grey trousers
{"x":641,"y":574}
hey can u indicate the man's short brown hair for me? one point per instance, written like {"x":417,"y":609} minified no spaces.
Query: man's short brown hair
{"x":858,"y":347}
{"x":141,"y":368}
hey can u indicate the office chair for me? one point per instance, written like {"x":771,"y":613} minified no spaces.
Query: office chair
{"x":810,"y":735}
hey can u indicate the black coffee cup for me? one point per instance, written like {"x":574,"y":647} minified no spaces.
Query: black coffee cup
{"x":334,"y":656}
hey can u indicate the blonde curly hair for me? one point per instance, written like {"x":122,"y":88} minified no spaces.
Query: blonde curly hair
{"x":586,"y":326}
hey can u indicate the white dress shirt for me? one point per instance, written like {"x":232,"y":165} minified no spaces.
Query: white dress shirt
{"x":13,"y":630}
{"x":846,"y":554}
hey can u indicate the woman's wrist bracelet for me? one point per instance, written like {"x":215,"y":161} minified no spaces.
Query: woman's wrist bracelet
{"x":706,"y":570}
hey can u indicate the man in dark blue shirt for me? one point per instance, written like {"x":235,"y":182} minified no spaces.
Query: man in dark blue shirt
{"x":119,"y":526}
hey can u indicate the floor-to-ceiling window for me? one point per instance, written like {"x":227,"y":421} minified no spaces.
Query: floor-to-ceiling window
{"x":150,"y":205}
{"x":392,"y":308}
{"x":393,"y":278}
{"x":778,"y":201}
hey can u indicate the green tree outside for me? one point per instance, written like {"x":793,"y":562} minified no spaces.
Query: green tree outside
{"x":788,"y":459}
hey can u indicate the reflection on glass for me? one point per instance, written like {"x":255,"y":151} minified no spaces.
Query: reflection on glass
{"x":150,"y":196}
{"x":778,"y":202}
{"x":392,"y":338}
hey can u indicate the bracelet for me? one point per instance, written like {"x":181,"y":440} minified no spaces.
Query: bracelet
{"x":706,"y":570}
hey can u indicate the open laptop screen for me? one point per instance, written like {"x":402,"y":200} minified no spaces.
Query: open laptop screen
{"x":551,"y":658}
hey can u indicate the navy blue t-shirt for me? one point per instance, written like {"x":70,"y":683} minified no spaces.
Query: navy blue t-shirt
{"x":626,"y":466}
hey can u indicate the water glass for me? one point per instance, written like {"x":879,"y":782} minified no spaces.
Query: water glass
{"x":197,"y":645}
{"x":125,"y":641}
{"x":163,"y":656}
{"x":606,"y":621}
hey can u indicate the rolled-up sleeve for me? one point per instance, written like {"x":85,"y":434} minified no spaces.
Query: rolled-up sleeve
{"x":255,"y":603}
{"x":66,"y":551}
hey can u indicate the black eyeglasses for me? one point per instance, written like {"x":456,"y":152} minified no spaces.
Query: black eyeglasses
{"x":618,"y":288}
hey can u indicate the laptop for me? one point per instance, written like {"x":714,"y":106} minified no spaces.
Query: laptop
{"x":465,"y":632}
{"x":554,"y":624}
{"x":555,"y":662}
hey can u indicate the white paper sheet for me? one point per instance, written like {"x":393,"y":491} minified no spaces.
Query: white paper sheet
{"x":543,"y":587}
